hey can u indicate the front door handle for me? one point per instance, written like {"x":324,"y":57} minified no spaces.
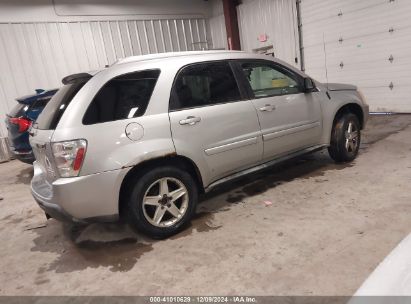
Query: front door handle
{"x":190,"y":120}
{"x":267,"y":108}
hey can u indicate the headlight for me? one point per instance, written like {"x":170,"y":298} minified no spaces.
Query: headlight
{"x":69,"y":156}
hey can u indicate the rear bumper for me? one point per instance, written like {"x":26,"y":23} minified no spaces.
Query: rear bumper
{"x":55,"y":211}
{"x":80,"y":199}
{"x":25,"y":157}
{"x":19,"y":146}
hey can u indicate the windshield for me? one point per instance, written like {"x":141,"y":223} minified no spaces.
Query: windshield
{"x":18,"y":110}
{"x":53,"y":111}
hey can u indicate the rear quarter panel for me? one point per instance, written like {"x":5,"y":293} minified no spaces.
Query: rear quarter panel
{"x":108,"y":147}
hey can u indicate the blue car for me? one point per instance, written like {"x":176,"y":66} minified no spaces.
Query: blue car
{"x":20,"y":119}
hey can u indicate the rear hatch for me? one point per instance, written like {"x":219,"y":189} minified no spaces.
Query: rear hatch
{"x":20,"y":118}
{"x":42,"y":130}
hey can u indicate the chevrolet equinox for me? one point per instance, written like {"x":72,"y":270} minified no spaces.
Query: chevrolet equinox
{"x":142,"y":138}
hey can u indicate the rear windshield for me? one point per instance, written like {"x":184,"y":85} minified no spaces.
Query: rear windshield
{"x":18,"y":110}
{"x":40,"y":104}
{"x":55,"y":108}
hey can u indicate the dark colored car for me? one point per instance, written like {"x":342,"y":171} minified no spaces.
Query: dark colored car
{"x":20,"y":119}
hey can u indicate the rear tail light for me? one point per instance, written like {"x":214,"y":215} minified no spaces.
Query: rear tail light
{"x":23,"y":123}
{"x":69,"y":156}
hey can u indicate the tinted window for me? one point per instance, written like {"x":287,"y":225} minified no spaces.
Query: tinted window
{"x":18,"y":110}
{"x":267,"y":80}
{"x":21,"y":109}
{"x":41,"y":103}
{"x":204,"y":84}
{"x":123,"y":97}
{"x":55,"y":108}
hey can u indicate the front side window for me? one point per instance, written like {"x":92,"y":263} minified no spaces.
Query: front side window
{"x":267,"y":80}
{"x":203,"y":85}
{"x":123,"y":97}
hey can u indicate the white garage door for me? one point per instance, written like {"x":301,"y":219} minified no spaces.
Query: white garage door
{"x":367,"y":43}
{"x":276,"y":21}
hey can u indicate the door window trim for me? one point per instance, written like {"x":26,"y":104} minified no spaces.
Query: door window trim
{"x":244,"y":94}
{"x":277,"y":66}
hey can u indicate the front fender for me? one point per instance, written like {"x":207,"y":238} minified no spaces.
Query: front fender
{"x":337,"y":101}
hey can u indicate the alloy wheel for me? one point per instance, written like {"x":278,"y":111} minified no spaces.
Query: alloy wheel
{"x":165,"y":202}
{"x":351,"y":138}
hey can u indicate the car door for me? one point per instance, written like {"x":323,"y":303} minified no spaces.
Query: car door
{"x":212,"y":122}
{"x":290,"y":119}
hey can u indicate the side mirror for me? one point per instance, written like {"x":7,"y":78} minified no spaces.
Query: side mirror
{"x":309,"y":85}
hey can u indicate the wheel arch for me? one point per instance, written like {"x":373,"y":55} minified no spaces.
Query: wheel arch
{"x":352,"y":108}
{"x":173,"y":159}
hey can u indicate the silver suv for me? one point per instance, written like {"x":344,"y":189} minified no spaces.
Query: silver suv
{"x":142,"y":138}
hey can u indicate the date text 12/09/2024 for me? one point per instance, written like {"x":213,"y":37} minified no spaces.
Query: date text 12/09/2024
{"x":206,"y":299}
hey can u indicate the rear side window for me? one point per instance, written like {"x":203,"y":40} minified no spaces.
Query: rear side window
{"x":204,"y":84}
{"x":55,"y":108}
{"x":123,"y":97}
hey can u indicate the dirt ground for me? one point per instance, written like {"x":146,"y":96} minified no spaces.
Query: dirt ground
{"x":327,"y":228}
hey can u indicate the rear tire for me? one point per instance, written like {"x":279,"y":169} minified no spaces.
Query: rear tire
{"x":345,"y":138}
{"x":162,"y":201}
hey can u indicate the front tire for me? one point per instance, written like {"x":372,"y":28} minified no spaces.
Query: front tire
{"x":162,"y":201}
{"x":345,"y":138}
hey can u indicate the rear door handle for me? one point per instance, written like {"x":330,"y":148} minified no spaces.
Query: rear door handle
{"x":190,"y":120}
{"x":267,"y":108}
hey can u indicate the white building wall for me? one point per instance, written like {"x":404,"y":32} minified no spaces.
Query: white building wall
{"x":83,"y":10}
{"x":40,"y":44}
{"x":216,"y":21}
{"x":275,"y":18}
